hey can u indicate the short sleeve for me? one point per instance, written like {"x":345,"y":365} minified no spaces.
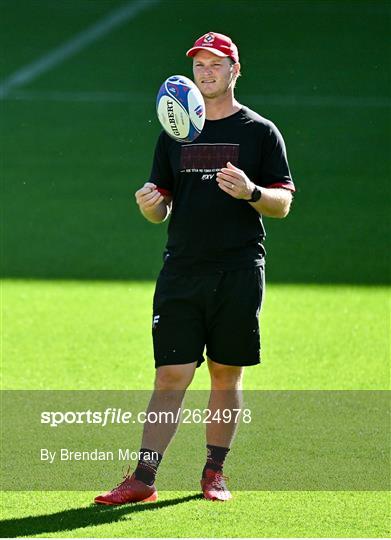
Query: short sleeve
{"x":161,"y":173}
{"x":274,"y":162}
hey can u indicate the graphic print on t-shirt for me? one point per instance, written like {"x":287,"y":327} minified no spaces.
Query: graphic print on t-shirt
{"x":208,"y":158}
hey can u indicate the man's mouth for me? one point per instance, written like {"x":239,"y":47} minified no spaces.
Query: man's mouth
{"x":208,"y":81}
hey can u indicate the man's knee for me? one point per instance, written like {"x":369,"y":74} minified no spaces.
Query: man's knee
{"x":174,"y":377}
{"x":225,"y":377}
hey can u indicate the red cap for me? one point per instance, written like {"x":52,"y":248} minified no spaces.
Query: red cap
{"x":217,"y":44}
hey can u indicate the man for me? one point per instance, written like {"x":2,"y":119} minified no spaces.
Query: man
{"x":209,"y":291}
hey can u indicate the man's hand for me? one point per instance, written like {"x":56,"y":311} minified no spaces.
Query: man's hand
{"x":273,"y":202}
{"x":148,"y":197}
{"x":153,"y":206}
{"x":235,"y":182}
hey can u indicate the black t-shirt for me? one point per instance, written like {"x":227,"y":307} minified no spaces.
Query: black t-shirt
{"x":209,"y":230}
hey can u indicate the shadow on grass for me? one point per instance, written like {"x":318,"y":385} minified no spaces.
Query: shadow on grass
{"x":80,"y":517}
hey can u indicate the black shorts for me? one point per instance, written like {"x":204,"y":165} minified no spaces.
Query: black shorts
{"x":217,"y":311}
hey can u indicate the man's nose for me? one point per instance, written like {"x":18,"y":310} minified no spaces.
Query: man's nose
{"x":208,"y":71}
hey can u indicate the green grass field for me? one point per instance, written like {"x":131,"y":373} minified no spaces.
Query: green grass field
{"x":95,"y":335}
{"x":78,"y":262}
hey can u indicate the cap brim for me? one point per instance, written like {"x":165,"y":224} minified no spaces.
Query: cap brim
{"x":192,"y":52}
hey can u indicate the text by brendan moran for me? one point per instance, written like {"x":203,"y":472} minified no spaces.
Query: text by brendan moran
{"x":122,"y":454}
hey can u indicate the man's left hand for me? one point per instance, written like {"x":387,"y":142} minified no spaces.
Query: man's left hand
{"x":235,"y":182}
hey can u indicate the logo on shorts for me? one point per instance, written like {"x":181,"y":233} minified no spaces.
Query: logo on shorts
{"x":207,"y":176}
{"x":155,"y":320}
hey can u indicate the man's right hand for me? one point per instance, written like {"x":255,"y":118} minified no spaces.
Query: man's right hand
{"x":148,"y":197}
{"x":153,"y":206}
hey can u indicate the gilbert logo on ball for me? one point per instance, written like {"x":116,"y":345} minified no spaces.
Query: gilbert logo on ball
{"x":180,"y":108}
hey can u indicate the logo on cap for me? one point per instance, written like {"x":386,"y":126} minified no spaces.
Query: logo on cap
{"x":209,"y":38}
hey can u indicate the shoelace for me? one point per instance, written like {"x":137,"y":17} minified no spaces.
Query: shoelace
{"x":125,"y":477}
{"x":219,"y":481}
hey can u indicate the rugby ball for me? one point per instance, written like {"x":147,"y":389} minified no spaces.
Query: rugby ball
{"x":180,"y":108}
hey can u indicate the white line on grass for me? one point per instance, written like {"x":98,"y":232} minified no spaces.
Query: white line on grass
{"x":80,"y":41}
{"x":71,"y":96}
{"x":262,"y":99}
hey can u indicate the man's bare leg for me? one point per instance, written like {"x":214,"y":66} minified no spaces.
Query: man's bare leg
{"x":226,"y":393}
{"x":171,"y":383}
{"x":224,"y":402}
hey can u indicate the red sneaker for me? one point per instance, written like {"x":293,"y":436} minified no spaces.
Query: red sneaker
{"x":214,"y":487}
{"x":129,"y":490}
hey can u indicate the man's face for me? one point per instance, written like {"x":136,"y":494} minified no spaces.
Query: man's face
{"x":213,"y":75}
